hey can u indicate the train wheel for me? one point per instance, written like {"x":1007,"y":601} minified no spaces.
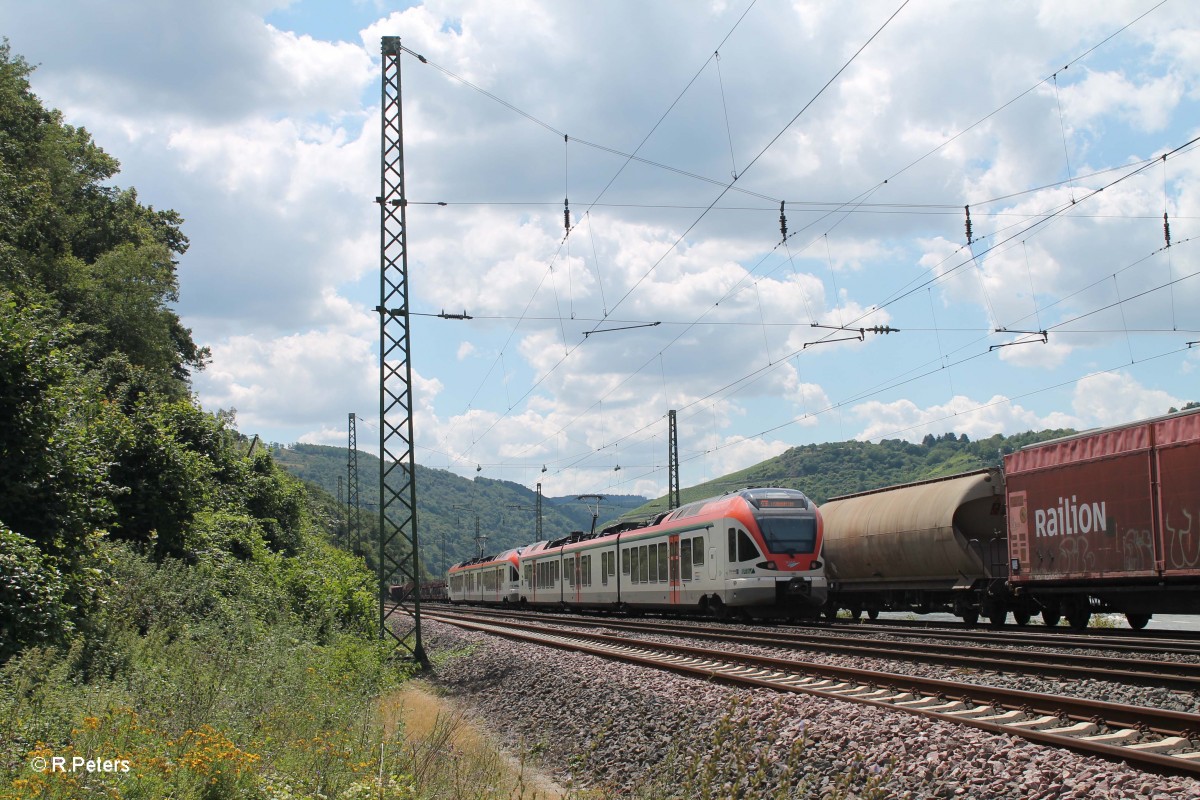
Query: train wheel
{"x":831,"y":611}
{"x":1021,"y":617}
{"x":971,"y":617}
{"x":1050,"y":617}
{"x":1138,"y":621}
{"x":998,"y":616}
{"x":1078,"y":616}
{"x":856,"y":614}
{"x":873,"y":613}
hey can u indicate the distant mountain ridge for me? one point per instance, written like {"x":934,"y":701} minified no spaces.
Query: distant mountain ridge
{"x":447,"y":505}
{"x":832,"y":469}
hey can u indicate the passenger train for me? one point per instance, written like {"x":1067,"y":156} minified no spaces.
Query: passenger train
{"x":755,"y":551}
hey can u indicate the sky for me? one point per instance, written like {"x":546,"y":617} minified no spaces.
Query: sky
{"x":672,"y":131}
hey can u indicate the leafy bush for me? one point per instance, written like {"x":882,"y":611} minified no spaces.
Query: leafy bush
{"x":32,"y":596}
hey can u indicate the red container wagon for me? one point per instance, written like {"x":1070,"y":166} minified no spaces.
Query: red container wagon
{"x":1108,"y":520}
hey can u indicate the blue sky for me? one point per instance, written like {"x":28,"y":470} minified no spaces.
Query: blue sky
{"x":259,"y":122}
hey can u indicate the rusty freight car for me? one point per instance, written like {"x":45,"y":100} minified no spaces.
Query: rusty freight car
{"x":1108,"y":520}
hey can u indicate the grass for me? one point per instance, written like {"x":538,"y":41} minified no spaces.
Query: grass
{"x":203,"y":684}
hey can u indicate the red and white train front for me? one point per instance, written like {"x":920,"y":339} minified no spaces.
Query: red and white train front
{"x":773,"y":551}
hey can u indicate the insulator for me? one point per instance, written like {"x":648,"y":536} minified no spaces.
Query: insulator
{"x":782,"y":221}
{"x":970,"y":238}
{"x":566,"y":216}
{"x":1166,"y":229}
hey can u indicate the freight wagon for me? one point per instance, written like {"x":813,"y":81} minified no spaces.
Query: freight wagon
{"x":1102,"y":521}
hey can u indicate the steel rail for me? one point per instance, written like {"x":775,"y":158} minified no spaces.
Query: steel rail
{"x":1117,"y":639}
{"x":923,"y":630}
{"x":1072,"y":723}
{"x":1181,"y":676}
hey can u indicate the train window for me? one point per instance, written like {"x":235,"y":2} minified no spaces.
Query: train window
{"x":568,"y":569}
{"x":685,"y":558}
{"x":625,"y":562}
{"x":632,"y":553}
{"x":745,"y":546}
{"x":586,"y":565}
{"x":789,"y":534}
{"x":553,"y":573}
{"x":663,"y":575}
{"x":698,"y":551}
{"x":644,"y":567}
{"x":604,"y":568}
{"x":652,"y":551}
{"x":513,"y":575}
{"x":732,"y":545}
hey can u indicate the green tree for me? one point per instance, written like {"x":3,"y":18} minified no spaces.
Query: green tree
{"x":89,"y":250}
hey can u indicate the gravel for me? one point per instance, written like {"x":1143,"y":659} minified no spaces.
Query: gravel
{"x":629,"y":731}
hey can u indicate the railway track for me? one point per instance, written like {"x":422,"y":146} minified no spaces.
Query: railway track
{"x":1129,"y":641}
{"x":1155,"y":740}
{"x":1181,"y":676}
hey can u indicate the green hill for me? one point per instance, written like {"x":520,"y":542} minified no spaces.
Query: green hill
{"x":828,"y":470}
{"x":448,"y":505}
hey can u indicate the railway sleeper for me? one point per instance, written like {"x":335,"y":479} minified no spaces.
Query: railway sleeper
{"x":920,"y":702}
{"x":1162,"y":746}
{"x":1079,"y":729}
{"x":971,"y":712}
{"x":1041,"y":723}
{"x":949,"y":707}
{"x":897,"y":698}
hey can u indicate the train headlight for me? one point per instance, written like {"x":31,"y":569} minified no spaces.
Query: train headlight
{"x":766,"y":565}
{"x":815,"y":564}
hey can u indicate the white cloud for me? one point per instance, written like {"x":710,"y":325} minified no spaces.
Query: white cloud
{"x":903,"y":419}
{"x":1112,"y":398}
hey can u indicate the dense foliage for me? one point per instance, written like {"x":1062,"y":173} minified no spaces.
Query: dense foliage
{"x":167,"y":597}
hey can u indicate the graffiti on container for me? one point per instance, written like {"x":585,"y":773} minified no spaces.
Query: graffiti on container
{"x":1138,"y":549}
{"x":1076,"y":554}
{"x":1183,"y":547}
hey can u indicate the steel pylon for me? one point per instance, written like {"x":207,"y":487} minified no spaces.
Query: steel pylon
{"x":399,"y":559}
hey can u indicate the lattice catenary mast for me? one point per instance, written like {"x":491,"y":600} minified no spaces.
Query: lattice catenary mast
{"x":672,"y":462}
{"x":399,"y":553}
{"x":353,"y":509}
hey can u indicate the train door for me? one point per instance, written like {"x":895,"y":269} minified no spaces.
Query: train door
{"x":578,"y":578}
{"x":673,"y":568}
{"x":710,"y":539}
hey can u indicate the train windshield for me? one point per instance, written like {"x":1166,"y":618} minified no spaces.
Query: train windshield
{"x":789,"y":534}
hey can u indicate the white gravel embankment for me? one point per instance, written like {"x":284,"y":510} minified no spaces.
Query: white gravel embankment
{"x":620,"y":728}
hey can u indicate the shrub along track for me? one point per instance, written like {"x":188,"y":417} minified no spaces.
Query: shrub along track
{"x":1151,"y":739}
